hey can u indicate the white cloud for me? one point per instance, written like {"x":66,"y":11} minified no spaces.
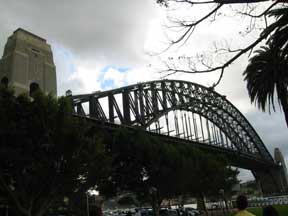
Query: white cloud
{"x":115,"y":30}
{"x":116,"y":76}
{"x":89,"y":77}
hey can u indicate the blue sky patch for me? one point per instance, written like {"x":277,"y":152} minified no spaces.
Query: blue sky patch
{"x":120,"y":69}
{"x":107,"y":84}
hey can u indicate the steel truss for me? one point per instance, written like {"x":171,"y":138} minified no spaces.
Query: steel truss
{"x":205,"y":116}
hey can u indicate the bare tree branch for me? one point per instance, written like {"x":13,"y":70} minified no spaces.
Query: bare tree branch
{"x":238,"y":1}
{"x":262,"y":14}
{"x":195,"y":2}
{"x":190,"y":27}
{"x":172,"y":70}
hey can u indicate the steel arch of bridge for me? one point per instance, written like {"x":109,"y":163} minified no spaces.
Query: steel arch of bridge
{"x":144,"y":103}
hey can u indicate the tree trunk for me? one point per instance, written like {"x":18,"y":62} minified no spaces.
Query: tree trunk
{"x":99,"y":202}
{"x":201,"y":204}
{"x":286,"y":114}
{"x":155,"y":204}
{"x":226,"y":203}
{"x":282,"y":95}
{"x":183,"y":201}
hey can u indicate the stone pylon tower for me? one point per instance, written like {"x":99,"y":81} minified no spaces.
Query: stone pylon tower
{"x":27,"y":63}
{"x":279,"y":159}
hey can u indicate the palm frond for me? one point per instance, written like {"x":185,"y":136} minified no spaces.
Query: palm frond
{"x":278,"y":12}
{"x":265,"y":72}
{"x":279,"y":28}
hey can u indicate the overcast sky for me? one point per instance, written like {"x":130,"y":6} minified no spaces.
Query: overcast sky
{"x":103,"y":44}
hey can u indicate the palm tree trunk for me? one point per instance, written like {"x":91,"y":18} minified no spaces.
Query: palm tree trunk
{"x":283,"y":96}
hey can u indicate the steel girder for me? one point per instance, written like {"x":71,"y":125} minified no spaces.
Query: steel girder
{"x":144,"y":103}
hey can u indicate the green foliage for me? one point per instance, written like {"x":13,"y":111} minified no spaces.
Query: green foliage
{"x":45,"y":152}
{"x":127,"y":201}
{"x":281,"y":209}
{"x":255,"y":211}
{"x":140,"y":162}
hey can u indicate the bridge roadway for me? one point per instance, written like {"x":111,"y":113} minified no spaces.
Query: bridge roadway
{"x":236,"y":159}
{"x":182,"y":112}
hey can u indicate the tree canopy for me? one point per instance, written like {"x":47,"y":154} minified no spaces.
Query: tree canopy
{"x":156,"y":171}
{"x":45,"y":152}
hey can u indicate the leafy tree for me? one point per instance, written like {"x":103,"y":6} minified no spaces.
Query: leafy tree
{"x":186,"y":170}
{"x":127,"y":201}
{"x":127,"y":156}
{"x":206,"y":174}
{"x":267,"y":70}
{"x":45,"y":152}
{"x":156,"y":171}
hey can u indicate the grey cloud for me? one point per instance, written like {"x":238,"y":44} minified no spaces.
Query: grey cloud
{"x":115,"y":30}
{"x":272,"y":129}
{"x":75,"y":85}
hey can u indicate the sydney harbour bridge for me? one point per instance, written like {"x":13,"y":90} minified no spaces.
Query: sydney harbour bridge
{"x":174,"y":111}
{"x":186,"y":113}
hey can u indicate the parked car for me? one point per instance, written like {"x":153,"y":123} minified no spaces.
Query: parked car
{"x":146,"y":212}
{"x":168,"y":212}
{"x":192,"y":212}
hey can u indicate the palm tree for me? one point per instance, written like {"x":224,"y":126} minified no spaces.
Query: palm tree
{"x":266,"y":72}
{"x":278,"y":30}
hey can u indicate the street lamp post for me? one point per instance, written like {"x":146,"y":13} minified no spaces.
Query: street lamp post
{"x":153,"y":193}
{"x":223,"y":205}
{"x":87,"y":203}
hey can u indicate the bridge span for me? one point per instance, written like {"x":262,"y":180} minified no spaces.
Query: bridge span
{"x":185,"y":113}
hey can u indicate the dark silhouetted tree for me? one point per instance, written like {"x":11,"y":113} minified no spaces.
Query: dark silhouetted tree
{"x":268,"y":71}
{"x":46,"y":154}
{"x":155,"y":171}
